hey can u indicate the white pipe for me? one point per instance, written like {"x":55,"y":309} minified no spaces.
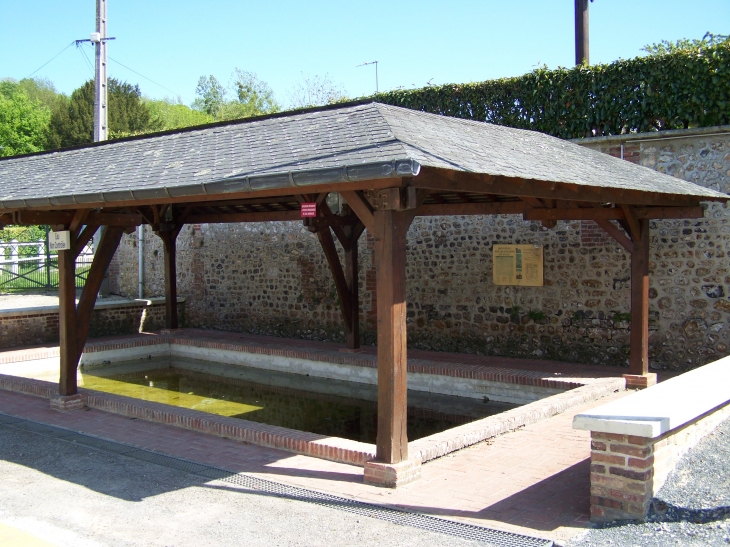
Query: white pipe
{"x":140,"y":248}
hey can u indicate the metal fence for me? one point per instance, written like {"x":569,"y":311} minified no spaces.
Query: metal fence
{"x":31,"y":265}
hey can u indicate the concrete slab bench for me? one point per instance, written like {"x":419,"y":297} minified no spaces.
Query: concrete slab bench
{"x":637,"y":440}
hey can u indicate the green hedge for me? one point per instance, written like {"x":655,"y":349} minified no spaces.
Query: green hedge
{"x":686,"y":88}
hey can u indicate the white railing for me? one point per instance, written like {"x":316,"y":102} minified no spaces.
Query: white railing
{"x":10,"y":261}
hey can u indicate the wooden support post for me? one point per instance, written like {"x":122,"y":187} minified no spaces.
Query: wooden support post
{"x":351,"y":275}
{"x":74,"y":321}
{"x":67,"y":384}
{"x":390,"y":230}
{"x":639,"y":355}
{"x":169,"y":240}
{"x":330,"y":253}
{"x":102,"y":258}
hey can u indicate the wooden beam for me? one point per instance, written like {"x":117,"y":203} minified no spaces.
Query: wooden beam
{"x":246,"y":202}
{"x":352,"y":271}
{"x":617,"y":234}
{"x":83,"y":239}
{"x":333,"y":259}
{"x":391,"y":228}
{"x":169,"y":240}
{"x":488,"y":208}
{"x":459,"y":181}
{"x":611,"y":213}
{"x":639,"y":336}
{"x":244,"y":217}
{"x":540,"y":204}
{"x":632,"y":221}
{"x":361,"y":207}
{"x":102,"y":258}
{"x":659,"y":213}
{"x":67,"y":323}
{"x":182,"y":219}
{"x":67,"y":217}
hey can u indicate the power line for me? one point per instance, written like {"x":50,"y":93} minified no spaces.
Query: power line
{"x":44,"y":64}
{"x":146,"y":78}
{"x":86,"y":57}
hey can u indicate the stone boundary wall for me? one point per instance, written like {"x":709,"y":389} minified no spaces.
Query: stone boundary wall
{"x":33,"y":326}
{"x":627,"y":471}
{"x":272,"y":278}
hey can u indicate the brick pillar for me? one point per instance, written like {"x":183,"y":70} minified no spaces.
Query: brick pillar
{"x":622,"y":476}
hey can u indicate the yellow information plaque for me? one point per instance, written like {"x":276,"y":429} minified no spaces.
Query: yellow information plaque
{"x":517,"y":265}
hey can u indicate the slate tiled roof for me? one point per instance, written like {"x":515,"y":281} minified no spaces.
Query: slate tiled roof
{"x":359,"y":142}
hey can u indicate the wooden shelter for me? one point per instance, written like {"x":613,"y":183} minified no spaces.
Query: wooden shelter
{"x":388,"y":164}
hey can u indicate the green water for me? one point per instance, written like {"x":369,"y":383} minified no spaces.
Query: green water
{"x":351,"y":414}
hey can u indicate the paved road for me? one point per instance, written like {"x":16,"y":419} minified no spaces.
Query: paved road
{"x":55,"y":493}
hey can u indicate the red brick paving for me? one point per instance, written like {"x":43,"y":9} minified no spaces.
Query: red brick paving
{"x":534,"y":480}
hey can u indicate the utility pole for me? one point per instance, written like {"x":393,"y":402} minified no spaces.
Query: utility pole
{"x":101,"y":110}
{"x":101,"y":114}
{"x":581,"y":32}
{"x":99,"y":39}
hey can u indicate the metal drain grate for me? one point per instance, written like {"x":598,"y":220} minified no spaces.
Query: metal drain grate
{"x":495,"y":538}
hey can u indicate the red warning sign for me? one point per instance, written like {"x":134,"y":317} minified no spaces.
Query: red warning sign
{"x":309,"y":210}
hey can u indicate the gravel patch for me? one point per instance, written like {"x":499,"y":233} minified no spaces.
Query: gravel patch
{"x":692,"y":508}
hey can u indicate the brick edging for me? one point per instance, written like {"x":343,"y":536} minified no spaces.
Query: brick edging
{"x":320,"y":446}
{"x":37,"y":388}
{"x":17,"y":356}
{"x":417,"y":366}
{"x":290,"y":440}
{"x":440,"y":444}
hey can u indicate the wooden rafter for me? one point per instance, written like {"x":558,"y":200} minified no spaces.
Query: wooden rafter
{"x":458,"y":181}
{"x":361,"y":207}
{"x":330,"y":253}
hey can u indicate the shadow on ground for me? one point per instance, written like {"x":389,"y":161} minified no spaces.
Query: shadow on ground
{"x":544,"y":506}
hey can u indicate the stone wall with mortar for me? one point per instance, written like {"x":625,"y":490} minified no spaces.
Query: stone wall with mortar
{"x":33,"y":326}
{"x":273,"y":278}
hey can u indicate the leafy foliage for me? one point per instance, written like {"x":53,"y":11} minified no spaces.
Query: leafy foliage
{"x":39,"y":89}
{"x":666,"y":46}
{"x":684,"y":88}
{"x":23,"y":234}
{"x":23,"y":121}
{"x":211,"y":95}
{"x":166,"y":114}
{"x":72,"y":119}
{"x":253,"y":97}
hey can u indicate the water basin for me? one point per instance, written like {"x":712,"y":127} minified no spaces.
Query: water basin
{"x":317,"y":405}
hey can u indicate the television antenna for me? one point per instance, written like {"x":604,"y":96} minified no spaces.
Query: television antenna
{"x":376,"y":72}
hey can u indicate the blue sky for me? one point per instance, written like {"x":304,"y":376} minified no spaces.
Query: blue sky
{"x":174,"y":43}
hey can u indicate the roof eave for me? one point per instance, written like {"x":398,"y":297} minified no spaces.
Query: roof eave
{"x":295,"y":180}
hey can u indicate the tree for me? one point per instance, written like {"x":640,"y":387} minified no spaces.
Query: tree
{"x":72,"y":119}
{"x":666,"y":46}
{"x":253,"y":97}
{"x":211,"y":95}
{"x":23,"y":121}
{"x":316,"y":91}
{"x":166,"y":114}
{"x":41,"y":90}
{"x":128,"y":115}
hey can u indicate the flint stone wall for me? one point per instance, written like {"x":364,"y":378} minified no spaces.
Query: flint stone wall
{"x":273,"y":278}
